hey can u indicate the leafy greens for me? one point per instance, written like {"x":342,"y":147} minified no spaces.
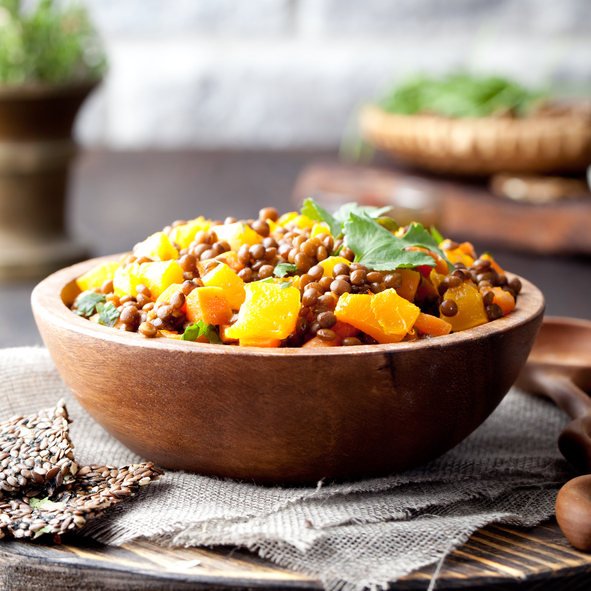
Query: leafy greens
{"x":200,"y":328}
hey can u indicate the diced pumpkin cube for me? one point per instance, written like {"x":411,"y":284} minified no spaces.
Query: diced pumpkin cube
{"x":230,"y":258}
{"x":255,"y":342}
{"x":330,"y":263}
{"x":126,"y":280}
{"x":269,"y":312}
{"x":394,"y":314}
{"x":432,"y":325}
{"x":184,"y":234}
{"x":222,"y":276}
{"x":169,"y":292}
{"x":97,"y":275}
{"x":208,"y":304}
{"x":410,"y":283}
{"x":320,"y":228}
{"x":303,"y":222}
{"x":464,"y":253}
{"x":355,"y":309}
{"x":287,"y":217}
{"x":470,"y":307}
{"x":503,"y":299}
{"x":237,"y":234}
{"x":157,"y":246}
{"x":158,"y":276}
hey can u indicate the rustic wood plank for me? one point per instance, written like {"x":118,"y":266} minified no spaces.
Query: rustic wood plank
{"x":496,"y":557}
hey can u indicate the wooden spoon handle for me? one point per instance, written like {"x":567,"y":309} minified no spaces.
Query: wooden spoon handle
{"x":566,"y":395}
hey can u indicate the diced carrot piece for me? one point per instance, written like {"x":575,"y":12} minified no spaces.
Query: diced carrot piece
{"x":428,"y":324}
{"x":468,"y":248}
{"x":504,"y":299}
{"x":318,"y":343}
{"x":208,"y":304}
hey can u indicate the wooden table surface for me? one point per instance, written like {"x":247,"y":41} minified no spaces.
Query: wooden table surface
{"x":117,"y":199}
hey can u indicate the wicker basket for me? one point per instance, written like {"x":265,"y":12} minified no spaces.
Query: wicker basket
{"x":481,"y":146}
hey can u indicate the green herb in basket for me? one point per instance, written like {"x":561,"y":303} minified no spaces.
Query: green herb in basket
{"x":460,"y":95}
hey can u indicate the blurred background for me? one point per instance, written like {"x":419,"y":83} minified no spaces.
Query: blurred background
{"x":289,"y":73}
{"x":222,"y":107}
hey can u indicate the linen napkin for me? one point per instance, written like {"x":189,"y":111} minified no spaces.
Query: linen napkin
{"x":349,"y":536}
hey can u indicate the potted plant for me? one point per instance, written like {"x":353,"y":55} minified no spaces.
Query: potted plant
{"x":50,"y":60}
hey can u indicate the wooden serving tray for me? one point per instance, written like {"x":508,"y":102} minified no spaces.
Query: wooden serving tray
{"x":496,"y":557}
{"x":460,"y":209}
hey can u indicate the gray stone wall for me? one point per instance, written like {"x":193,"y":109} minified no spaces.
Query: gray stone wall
{"x":290,"y":73}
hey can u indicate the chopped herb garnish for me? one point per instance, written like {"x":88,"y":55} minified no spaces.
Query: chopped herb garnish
{"x":108,"y":313}
{"x":283,"y":269}
{"x":86,"y":303}
{"x":284,"y":285}
{"x":312,"y":210}
{"x":379,"y":249}
{"x":335,"y":222}
{"x":200,"y":328}
{"x":436,"y":235}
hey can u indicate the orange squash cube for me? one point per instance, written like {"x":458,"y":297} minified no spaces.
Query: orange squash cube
{"x":470,"y":307}
{"x":269,"y":312}
{"x":208,"y":304}
{"x":222,"y":276}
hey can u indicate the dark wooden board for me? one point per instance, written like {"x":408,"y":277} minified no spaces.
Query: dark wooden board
{"x":463,"y":210}
{"x":496,"y":557}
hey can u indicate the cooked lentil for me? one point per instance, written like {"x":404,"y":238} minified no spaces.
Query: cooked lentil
{"x":253,"y":249}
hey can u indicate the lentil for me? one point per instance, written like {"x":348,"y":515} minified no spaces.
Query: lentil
{"x":259,"y":245}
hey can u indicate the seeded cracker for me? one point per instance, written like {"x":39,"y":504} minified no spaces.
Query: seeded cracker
{"x":95,"y":489}
{"x":36,"y":453}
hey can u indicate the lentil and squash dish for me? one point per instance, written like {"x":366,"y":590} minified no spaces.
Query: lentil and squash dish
{"x":307,"y":279}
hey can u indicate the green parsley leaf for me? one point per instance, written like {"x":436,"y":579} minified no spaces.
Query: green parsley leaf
{"x":45,"y":503}
{"x":87,"y":301}
{"x":267,"y":280}
{"x":200,"y":328}
{"x":284,"y":285}
{"x":283,"y":269}
{"x":379,"y":249}
{"x":344,"y":212}
{"x":312,"y":210}
{"x":108,"y":313}
{"x":435,"y":233}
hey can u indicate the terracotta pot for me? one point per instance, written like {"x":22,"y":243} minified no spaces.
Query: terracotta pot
{"x":284,"y":416}
{"x":36,"y":149}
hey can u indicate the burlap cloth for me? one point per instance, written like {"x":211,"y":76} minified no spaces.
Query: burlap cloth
{"x":349,"y":536}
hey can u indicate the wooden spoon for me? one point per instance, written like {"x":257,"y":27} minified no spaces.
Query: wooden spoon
{"x":559,"y":367}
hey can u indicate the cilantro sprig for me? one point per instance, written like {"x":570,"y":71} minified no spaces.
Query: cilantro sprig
{"x":108,"y":314}
{"x":335,"y":221}
{"x":200,"y":328}
{"x":283,"y":269}
{"x":379,"y":249}
{"x":87,"y":303}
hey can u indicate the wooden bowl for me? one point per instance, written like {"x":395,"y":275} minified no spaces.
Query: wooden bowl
{"x":483,"y":146}
{"x":284,"y":416}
